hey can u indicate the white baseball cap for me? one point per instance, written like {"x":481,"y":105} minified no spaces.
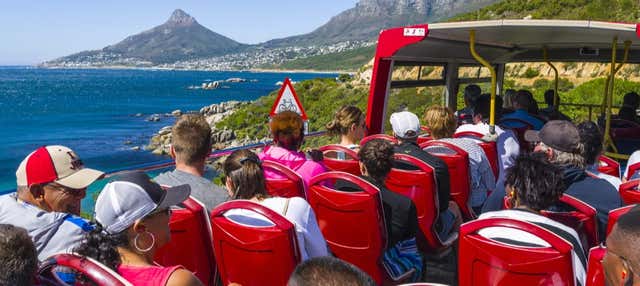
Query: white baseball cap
{"x":405,"y":124}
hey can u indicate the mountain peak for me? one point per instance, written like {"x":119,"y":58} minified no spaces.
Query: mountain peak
{"x":181,"y":18}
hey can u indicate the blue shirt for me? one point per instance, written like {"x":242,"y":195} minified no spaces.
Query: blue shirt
{"x":522,"y":115}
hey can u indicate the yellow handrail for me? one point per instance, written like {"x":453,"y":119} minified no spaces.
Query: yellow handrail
{"x":556,"y":96}
{"x":485,"y":63}
{"x":608,"y":142}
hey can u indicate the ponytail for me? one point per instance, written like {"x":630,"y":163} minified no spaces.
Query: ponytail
{"x":101,"y":246}
{"x":244,"y":168}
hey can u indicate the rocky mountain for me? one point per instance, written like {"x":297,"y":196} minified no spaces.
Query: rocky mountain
{"x":179,"y":38}
{"x":365,"y":21}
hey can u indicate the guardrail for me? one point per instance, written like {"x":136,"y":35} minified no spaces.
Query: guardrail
{"x":168,"y":163}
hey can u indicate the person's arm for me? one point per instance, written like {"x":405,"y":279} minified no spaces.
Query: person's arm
{"x":315,"y":244}
{"x":183,"y":277}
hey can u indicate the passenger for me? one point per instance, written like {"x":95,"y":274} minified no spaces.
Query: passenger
{"x":376,"y":161}
{"x":471,"y":93}
{"x":287,"y":130}
{"x":406,"y":126}
{"x":507,"y":104}
{"x":633,"y":159}
{"x":552,"y":112}
{"x":349,"y":123}
{"x":245,"y":180}
{"x":442,"y":124}
{"x":51,"y":181}
{"x":591,"y":138}
{"x":522,"y":103}
{"x":18,"y":256}
{"x":560,"y":141}
{"x":190,"y":147}
{"x":506,"y":142}
{"x":533,"y":108}
{"x":533,"y":185}
{"x":132,"y":222}
{"x":621,"y":262}
{"x":630,"y":104}
{"x":329,"y":271}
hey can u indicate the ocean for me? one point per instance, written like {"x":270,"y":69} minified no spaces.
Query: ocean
{"x":101,"y":113}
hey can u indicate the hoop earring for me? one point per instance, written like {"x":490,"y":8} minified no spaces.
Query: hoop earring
{"x":135,"y":242}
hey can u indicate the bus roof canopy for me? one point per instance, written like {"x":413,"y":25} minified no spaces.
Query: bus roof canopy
{"x":503,"y":41}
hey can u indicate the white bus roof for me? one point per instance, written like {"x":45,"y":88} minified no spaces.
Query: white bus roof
{"x":503,"y":41}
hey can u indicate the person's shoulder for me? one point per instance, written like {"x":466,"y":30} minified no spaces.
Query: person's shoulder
{"x":183,"y":277}
{"x":78,"y":223}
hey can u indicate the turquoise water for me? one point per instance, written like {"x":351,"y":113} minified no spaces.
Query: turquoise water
{"x":94,"y":112}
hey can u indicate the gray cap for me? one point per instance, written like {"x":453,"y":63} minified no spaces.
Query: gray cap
{"x":558,"y":134}
{"x":133,"y":196}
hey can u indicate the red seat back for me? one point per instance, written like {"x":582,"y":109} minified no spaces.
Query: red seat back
{"x":459,"y":176}
{"x":520,"y":127}
{"x":350,"y":164}
{"x":420,"y":186}
{"x":250,"y":255}
{"x":583,"y":219}
{"x":352,"y":222}
{"x":190,"y":244}
{"x":287,"y":184}
{"x":483,"y":261}
{"x":490,"y":149}
{"x":629,"y":192}
{"x":425,"y":136}
{"x":614,"y":215}
{"x":91,"y":269}
{"x":595,"y":272}
{"x":633,"y":168}
{"x":608,"y":166}
{"x":386,"y":137}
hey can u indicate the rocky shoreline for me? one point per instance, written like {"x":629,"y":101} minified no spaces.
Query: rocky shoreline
{"x":220,"y":138}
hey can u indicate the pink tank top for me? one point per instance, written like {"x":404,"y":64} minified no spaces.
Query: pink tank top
{"x":147,"y":275}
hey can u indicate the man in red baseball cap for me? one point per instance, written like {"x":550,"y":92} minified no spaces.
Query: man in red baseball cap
{"x":51,"y":181}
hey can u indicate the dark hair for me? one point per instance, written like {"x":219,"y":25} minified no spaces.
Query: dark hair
{"x":524,"y":99}
{"x":549,"y":95}
{"x":632,"y":99}
{"x":343,"y":119}
{"x":483,"y":106}
{"x":287,"y":129}
{"x":536,"y":182}
{"x":244,"y":169}
{"x":471,"y":92}
{"x":592,"y":140}
{"x":328,"y":271}
{"x":18,"y":256}
{"x":627,"y":230}
{"x":191,"y":138}
{"x":377,"y":157}
{"x":101,"y":246}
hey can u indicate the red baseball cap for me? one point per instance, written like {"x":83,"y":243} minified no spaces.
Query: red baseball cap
{"x":57,"y":164}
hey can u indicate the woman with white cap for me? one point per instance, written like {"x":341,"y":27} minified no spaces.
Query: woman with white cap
{"x":132,"y":221}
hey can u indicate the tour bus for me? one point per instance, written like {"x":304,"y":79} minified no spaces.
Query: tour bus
{"x":452,"y":47}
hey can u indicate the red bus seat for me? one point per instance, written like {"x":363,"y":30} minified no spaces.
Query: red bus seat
{"x":386,"y":137}
{"x":629,"y":192}
{"x":350,"y":164}
{"x":608,"y":166}
{"x":250,"y":255}
{"x":420,"y":186}
{"x":490,"y":149}
{"x":633,"y":168}
{"x":583,"y":219}
{"x":288,"y":185}
{"x":520,"y":128}
{"x":483,"y":261}
{"x":425,"y":136}
{"x":459,"y":176}
{"x":191,"y":239}
{"x":595,"y":273}
{"x":614,"y":215}
{"x":89,"y":268}
{"x":352,"y":222}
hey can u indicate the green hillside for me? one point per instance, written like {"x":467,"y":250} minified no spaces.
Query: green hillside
{"x":349,"y":60}
{"x":602,"y":10}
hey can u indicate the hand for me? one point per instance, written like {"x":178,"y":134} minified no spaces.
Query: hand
{"x":315,"y":154}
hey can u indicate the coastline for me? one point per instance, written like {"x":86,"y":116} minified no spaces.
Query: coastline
{"x":254,"y":70}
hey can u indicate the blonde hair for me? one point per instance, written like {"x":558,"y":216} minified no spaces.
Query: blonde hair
{"x":191,"y":138}
{"x":345,"y":117}
{"x":440,"y":121}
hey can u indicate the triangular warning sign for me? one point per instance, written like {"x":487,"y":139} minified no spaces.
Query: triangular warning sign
{"x":287,"y":100}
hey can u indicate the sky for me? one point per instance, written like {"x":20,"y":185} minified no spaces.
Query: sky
{"x":34,"y":31}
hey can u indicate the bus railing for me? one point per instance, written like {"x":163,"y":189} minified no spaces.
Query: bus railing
{"x":161,"y":164}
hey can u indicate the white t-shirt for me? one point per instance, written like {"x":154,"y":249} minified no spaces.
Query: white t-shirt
{"x":634,"y":158}
{"x":614,"y":181}
{"x":310,"y":239}
{"x":514,"y":235}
